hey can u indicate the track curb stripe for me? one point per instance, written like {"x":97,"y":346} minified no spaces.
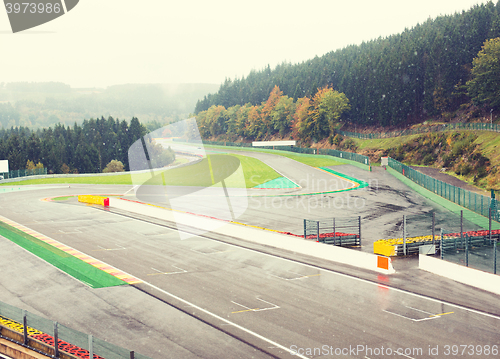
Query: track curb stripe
{"x":73,"y":252}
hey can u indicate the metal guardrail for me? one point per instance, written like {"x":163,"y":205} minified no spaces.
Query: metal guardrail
{"x":23,"y":173}
{"x":334,"y":231}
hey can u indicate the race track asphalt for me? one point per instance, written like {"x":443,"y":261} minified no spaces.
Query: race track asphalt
{"x":214,"y":297}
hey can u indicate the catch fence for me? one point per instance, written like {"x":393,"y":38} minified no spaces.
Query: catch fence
{"x":313,"y":151}
{"x":420,"y":130}
{"x":55,"y":339}
{"x":336,"y":231}
{"x":24,"y":173}
{"x":473,"y":201}
{"x":477,"y":249}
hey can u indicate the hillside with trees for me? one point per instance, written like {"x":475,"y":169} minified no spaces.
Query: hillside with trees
{"x":420,"y":74}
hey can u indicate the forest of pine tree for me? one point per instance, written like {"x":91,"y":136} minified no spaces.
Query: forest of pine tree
{"x":408,"y":77}
{"x":73,"y":149}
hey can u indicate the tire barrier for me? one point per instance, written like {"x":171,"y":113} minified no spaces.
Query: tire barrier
{"x":47,"y":339}
{"x":65,"y":346}
{"x":89,"y":199}
{"x":325,"y":231}
{"x":395,"y":247}
{"x":18,"y":327}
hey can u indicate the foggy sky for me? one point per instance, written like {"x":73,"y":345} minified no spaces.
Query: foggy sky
{"x":106,"y":42}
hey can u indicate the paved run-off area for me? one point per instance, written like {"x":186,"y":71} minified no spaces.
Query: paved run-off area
{"x":244,"y":299}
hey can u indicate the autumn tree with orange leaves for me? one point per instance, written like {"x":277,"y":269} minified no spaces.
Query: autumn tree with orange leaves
{"x":307,"y":119}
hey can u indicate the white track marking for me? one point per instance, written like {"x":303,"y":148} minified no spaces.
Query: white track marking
{"x":421,"y":296}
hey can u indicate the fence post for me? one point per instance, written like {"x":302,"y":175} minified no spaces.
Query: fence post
{"x":462,"y":227}
{"x":441,"y":249}
{"x":334,"y":231}
{"x":404,"y":234}
{"x":25,"y":327}
{"x":466,"y":250}
{"x":359,"y":229}
{"x":433,"y":228}
{"x":132,"y":356}
{"x":317,"y":231}
{"x":91,"y":347}
{"x":489,"y":226}
{"x":56,"y":340}
{"x":305,"y":231}
{"x":495,"y":257}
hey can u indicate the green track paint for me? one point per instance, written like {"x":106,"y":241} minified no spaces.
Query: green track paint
{"x":73,"y":266}
{"x":278,"y":183}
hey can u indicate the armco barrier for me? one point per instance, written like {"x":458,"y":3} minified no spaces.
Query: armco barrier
{"x":103,"y":201}
{"x":201,"y":224}
{"x":466,"y":275}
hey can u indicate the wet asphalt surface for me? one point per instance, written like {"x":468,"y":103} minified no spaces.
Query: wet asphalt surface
{"x":299,"y":302}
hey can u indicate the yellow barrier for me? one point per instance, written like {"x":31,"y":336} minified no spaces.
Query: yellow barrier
{"x":387,"y":247}
{"x":103,"y":201}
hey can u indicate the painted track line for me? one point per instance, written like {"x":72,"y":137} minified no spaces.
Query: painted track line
{"x":350,"y":276}
{"x":227,"y":322}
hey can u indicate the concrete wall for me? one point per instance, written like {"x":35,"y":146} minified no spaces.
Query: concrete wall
{"x":202,"y":225}
{"x":466,"y":275}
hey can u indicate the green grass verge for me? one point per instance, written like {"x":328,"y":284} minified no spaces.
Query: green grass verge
{"x":124,"y":179}
{"x":254,"y":171}
{"x":452,"y":207}
{"x":73,"y":266}
{"x":62,"y":198}
{"x":212,"y":170}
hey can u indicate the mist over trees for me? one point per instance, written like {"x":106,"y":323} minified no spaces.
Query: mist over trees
{"x":44,"y":104}
{"x":408,"y":77}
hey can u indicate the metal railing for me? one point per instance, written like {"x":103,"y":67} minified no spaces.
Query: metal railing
{"x":336,"y":231}
{"x":473,"y":201}
{"x":476,"y":250}
{"x":23,"y":173}
{"x":52,"y":338}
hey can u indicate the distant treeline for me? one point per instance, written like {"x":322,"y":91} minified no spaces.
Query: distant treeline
{"x":45,"y":87}
{"x":405,"y":77}
{"x":71,"y":149}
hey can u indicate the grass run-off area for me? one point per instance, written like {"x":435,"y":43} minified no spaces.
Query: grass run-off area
{"x":203,"y":173}
{"x":307,"y":159}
